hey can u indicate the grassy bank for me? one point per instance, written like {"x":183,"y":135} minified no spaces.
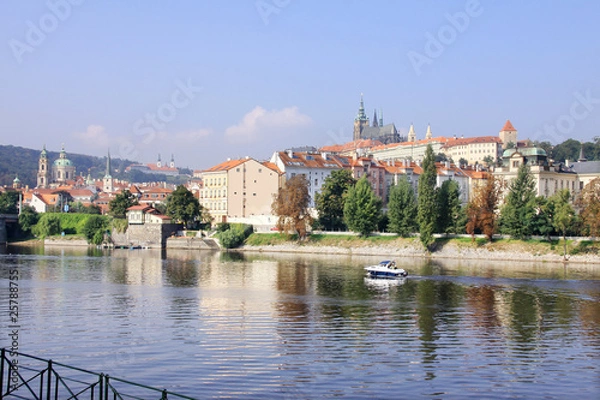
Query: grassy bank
{"x":534,"y":247}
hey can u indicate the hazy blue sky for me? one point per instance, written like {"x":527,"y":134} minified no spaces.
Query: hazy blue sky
{"x":207,"y":80}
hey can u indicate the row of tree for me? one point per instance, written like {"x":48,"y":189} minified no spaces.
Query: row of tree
{"x":345,"y":203}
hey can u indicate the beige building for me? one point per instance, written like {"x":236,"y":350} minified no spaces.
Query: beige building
{"x":408,"y":150}
{"x":237,"y":189}
{"x":549,"y":179}
{"x":475,"y":150}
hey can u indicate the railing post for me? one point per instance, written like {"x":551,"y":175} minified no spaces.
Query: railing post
{"x":164,"y":395}
{"x":106,"y":380}
{"x":101,"y":384}
{"x":49,"y":383}
{"x":2,"y":372}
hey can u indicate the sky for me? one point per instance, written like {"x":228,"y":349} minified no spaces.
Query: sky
{"x":209,"y":80}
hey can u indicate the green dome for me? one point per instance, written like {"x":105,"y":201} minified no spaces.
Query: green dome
{"x":63,"y":162}
{"x":525,"y":152}
{"x":16,"y":180}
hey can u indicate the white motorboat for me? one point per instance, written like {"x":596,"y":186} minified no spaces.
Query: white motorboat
{"x":386,"y":269}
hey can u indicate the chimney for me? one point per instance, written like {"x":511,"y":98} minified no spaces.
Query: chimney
{"x":447,"y":164}
{"x":290,"y":153}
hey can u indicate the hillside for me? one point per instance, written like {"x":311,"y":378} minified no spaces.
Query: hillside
{"x":23,"y":162}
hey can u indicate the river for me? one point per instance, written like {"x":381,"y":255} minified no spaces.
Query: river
{"x":229,"y":325}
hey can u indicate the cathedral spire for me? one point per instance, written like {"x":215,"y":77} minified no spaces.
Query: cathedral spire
{"x":107,"y":174}
{"x":380,"y":117}
{"x":361,"y":111}
{"x":375,"y":120}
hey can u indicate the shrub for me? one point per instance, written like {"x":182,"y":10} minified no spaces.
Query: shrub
{"x":48,"y":224}
{"x":235,"y":235}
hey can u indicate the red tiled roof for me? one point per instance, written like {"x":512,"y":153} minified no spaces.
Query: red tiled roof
{"x":271,"y":166}
{"x":226,"y":166}
{"x":308,"y":160}
{"x":508,"y":126}
{"x":356,"y":144}
{"x":478,"y":139}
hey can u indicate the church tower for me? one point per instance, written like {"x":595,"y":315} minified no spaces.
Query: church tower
{"x":172,"y":163}
{"x":361,"y":121}
{"x":428,"y":135}
{"x":158,"y":162}
{"x":412,"y":136}
{"x":508,"y":134}
{"x":107,"y":181}
{"x":43,"y":175}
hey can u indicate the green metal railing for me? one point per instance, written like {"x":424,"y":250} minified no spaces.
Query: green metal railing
{"x":24,"y":376}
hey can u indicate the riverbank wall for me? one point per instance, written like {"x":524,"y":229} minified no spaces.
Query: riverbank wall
{"x":514,"y":252}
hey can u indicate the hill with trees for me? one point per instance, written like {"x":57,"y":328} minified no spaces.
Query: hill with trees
{"x":23,"y":162}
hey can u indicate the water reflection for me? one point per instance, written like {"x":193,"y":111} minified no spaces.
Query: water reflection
{"x":314,"y":323}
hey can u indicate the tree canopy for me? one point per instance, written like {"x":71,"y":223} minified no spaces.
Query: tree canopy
{"x":330,"y":201}
{"x":427,"y":199}
{"x":519,"y":209}
{"x":362,"y":209}
{"x":402,"y":208}
{"x":291,"y":206}
{"x":183,"y":206}
{"x":122,"y":201}
{"x":9,"y":202}
{"x":450,"y":211}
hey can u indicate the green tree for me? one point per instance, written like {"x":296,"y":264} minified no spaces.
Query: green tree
{"x":449,"y":208}
{"x":463,"y":162}
{"x":49,"y":224}
{"x":564,"y":217}
{"x":94,"y":228}
{"x":488,"y":160}
{"x":567,"y":150}
{"x":362,"y":210}
{"x":28,"y":218}
{"x":8,"y":202}
{"x":122,"y":201}
{"x":330,"y":201}
{"x":541,"y":222}
{"x":427,"y":199}
{"x":517,"y":213}
{"x":291,"y":206}
{"x":183,"y":206}
{"x":402,"y":208}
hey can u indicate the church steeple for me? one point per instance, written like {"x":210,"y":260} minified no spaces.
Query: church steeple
{"x":107,"y":173}
{"x":361,"y":116}
{"x":380,"y":117}
{"x":375,"y":120}
{"x":43,"y":175}
{"x":361,"y":121}
{"x":107,"y":182}
{"x":412,"y":136}
{"x":428,"y":135}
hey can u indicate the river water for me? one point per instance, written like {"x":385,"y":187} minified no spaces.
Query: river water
{"x":228,"y":325}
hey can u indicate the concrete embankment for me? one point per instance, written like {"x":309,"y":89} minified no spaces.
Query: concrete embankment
{"x":512,"y":253}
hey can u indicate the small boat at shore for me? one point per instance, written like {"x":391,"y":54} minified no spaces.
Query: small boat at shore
{"x":386,"y":269}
